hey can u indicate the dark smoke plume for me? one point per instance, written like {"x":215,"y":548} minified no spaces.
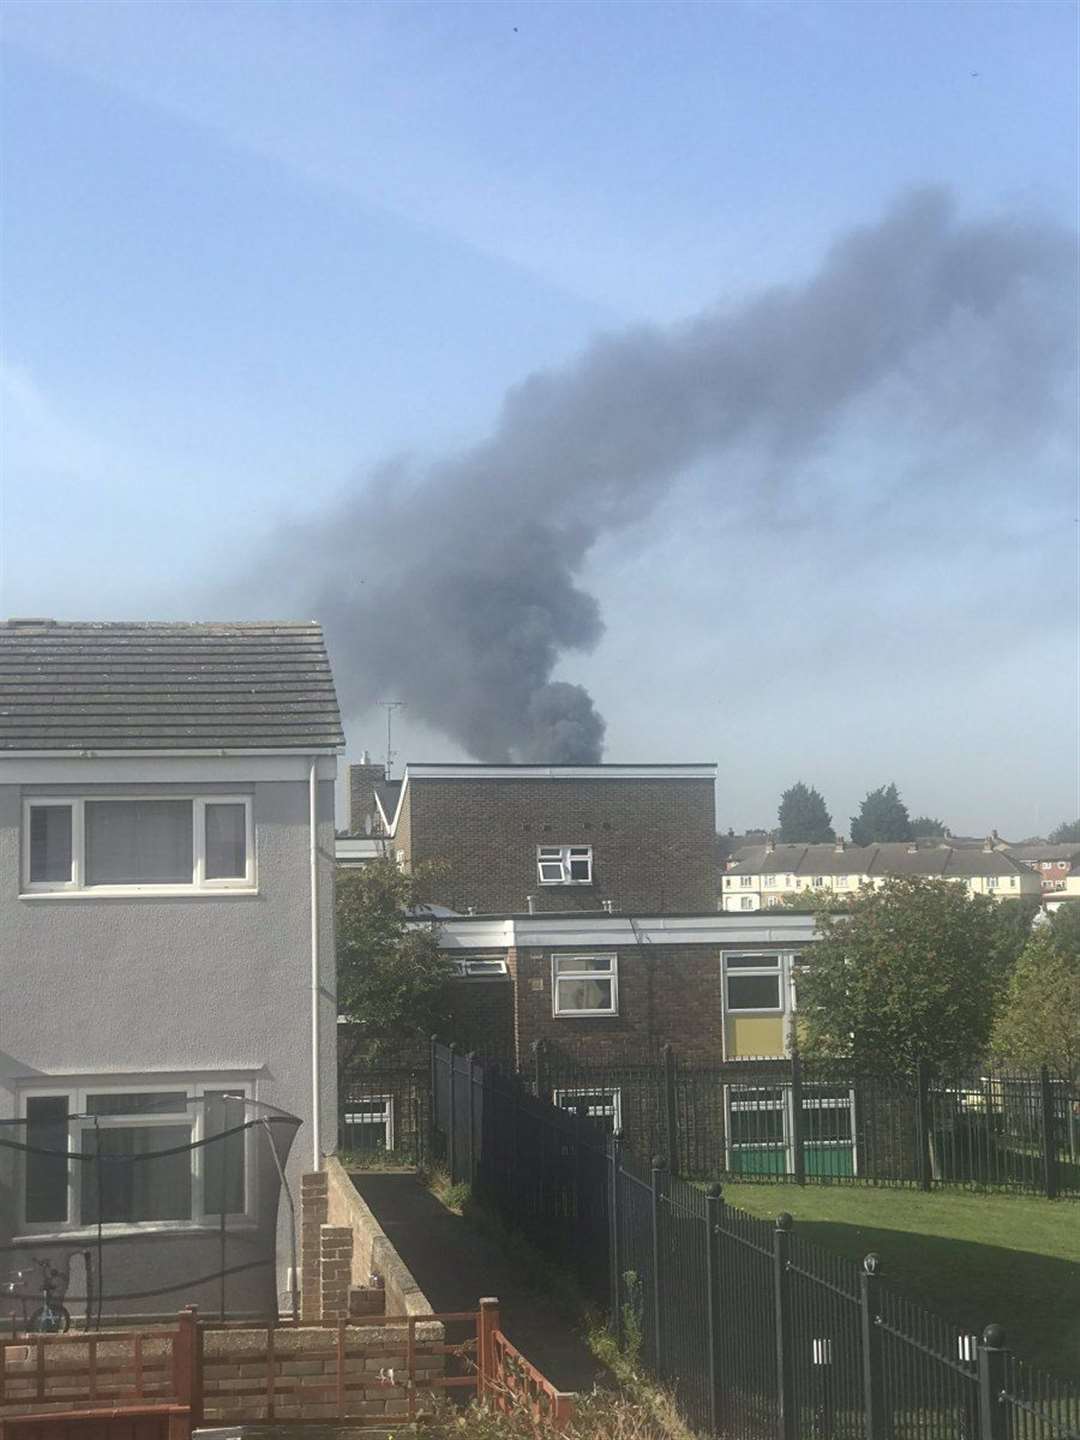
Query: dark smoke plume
{"x":452,"y":585}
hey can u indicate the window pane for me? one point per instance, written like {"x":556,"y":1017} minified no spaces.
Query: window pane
{"x":753,"y":992}
{"x":826,"y":1123}
{"x":580,"y":869}
{"x":151,"y":1188}
{"x":146,"y":1102}
{"x":582,"y":964}
{"x":757,"y":1127}
{"x":551,"y":870}
{"x":226,"y":842}
{"x":752,"y":962}
{"x":138,"y":842}
{"x":50,"y":842}
{"x":47,"y":1175}
{"x":224,"y":1158}
{"x":584,"y":994}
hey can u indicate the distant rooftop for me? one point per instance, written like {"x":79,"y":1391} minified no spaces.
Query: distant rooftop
{"x":83,"y":685}
{"x":888,"y":858}
{"x":471,"y":771}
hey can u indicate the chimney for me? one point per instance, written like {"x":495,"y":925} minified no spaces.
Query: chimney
{"x":770,"y":844}
{"x":839,"y":844}
{"x":363,"y":816}
{"x":988,"y":845}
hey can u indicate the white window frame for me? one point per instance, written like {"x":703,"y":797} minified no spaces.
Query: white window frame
{"x":812,"y":1100}
{"x":479,"y":967}
{"x":991,"y":882}
{"x":612,"y":974}
{"x":777,"y":970}
{"x":746,"y":902}
{"x":194,"y":1114}
{"x":199,"y":882}
{"x":746,"y":881}
{"x":386,"y":1119}
{"x":778,"y":1106}
{"x":562,"y":855}
{"x":819,"y":882}
{"x":597,"y":1092}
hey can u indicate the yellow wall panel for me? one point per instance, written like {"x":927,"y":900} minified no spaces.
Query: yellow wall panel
{"x":755,"y":1035}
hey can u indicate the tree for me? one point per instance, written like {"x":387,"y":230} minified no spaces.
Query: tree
{"x":924,"y":825}
{"x":905,"y":972}
{"x":1039,"y":1020}
{"x":882,"y":816}
{"x":1067,"y":833}
{"x":803,"y":817}
{"x":393,"y":984}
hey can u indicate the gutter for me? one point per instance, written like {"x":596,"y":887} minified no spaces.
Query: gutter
{"x":313,"y":863}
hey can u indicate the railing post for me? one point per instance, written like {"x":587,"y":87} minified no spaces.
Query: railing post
{"x":714,"y":1204}
{"x":658,"y":1171}
{"x":785,"y":1352}
{"x":487,"y":1322}
{"x":451,"y":1114}
{"x":470,"y":1061}
{"x":922,"y":1124}
{"x":614,"y":1250}
{"x":798,"y":1154}
{"x":190,"y":1339}
{"x":581,"y":1239}
{"x":433,"y":1117}
{"x":1049,"y":1134}
{"x":671,"y":1110}
{"x":993,"y":1417}
{"x":872,"y":1368}
{"x":539,"y":1070}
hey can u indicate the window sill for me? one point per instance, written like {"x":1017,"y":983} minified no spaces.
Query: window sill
{"x":586,"y":1015}
{"x":145,"y":892}
{"x":563,"y":884}
{"x":84,"y":1233}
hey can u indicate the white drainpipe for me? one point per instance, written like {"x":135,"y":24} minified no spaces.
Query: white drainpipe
{"x":313,"y":820}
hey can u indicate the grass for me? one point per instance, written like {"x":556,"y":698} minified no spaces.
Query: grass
{"x":974,"y":1258}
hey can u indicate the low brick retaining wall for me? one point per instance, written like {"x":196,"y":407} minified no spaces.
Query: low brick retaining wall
{"x":342,"y":1247}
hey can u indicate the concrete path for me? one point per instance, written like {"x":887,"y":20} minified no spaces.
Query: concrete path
{"x":455,"y":1266}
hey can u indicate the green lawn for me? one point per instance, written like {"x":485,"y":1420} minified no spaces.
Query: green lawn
{"x":1013,"y":1259}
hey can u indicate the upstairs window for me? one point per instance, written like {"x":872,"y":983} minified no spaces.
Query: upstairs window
{"x":585,"y":984}
{"x":564,"y":864}
{"x":753,"y":982}
{"x":482,"y":969}
{"x":120,"y":844}
{"x":745,"y":881}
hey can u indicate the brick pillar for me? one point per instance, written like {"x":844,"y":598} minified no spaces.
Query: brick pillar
{"x":314,"y":1207}
{"x":336,"y":1271}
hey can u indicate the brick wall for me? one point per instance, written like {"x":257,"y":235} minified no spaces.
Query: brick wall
{"x":667,"y":994}
{"x":481,"y":1016}
{"x":363,"y":814}
{"x":351,"y":1247}
{"x":653,"y":841}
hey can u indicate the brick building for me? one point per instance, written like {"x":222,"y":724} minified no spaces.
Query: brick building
{"x":583,"y":909}
{"x":543,"y":838}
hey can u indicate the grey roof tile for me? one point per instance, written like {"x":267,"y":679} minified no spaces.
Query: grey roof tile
{"x":149,"y":686}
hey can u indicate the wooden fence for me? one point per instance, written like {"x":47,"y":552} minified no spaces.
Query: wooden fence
{"x":159,"y":1384}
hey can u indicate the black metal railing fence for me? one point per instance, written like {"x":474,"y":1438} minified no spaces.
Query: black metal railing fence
{"x":759,"y":1332}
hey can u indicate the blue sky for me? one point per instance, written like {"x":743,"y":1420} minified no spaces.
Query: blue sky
{"x":251,"y":251}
